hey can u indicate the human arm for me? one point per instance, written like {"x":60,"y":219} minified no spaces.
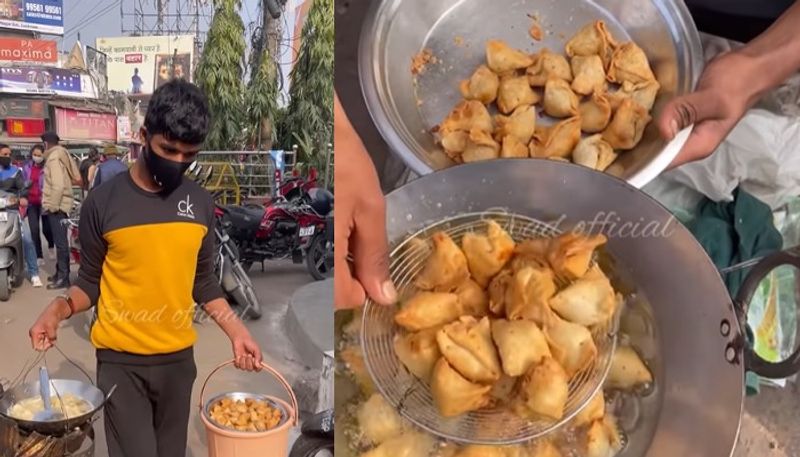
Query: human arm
{"x":730,"y":85}
{"x":360,"y":222}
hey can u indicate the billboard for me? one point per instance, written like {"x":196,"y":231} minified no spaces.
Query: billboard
{"x":28,"y":51}
{"x":40,"y":80}
{"x":84,"y":125}
{"x":19,"y":108}
{"x":139,"y":65}
{"x":43,"y":16}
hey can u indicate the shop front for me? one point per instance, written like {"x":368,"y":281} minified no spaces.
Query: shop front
{"x":22,"y":121}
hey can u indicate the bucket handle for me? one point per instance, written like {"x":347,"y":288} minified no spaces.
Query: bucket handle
{"x":266,"y":367}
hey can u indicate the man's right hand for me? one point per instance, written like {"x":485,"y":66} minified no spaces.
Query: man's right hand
{"x":44,"y":332}
{"x":360,"y":223}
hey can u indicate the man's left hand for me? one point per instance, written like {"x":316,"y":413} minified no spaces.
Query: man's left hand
{"x":246,"y":353}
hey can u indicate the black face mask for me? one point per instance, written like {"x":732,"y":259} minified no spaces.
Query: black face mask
{"x":166,"y":173}
{"x":5,"y":162}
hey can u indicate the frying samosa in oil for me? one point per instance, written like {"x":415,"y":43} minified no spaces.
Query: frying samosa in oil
{"x":418,"y":352}
{"x":588,"y":75}
{"x":548,"y":65}
{"x":559,"y":100}
{"x":427,"y":310}
{"x":594,"y":410}
{"x":487,"y":254}
{"x":603,"y":438}
{"x":629,"y":63}
{"x":529,"y":294}
{"x":379,"y":421}
{"x":467,"y":346}
{"x":513,"y":149}
{"x":466,"y":116}
{"x":480,"y":146}
{"x":474,"y":300}
{"x":627,"y":370}
{"x":595,"y":113}
{"x":408,"y":444}
{"x":542,"y":391}
{"x":521,"y":124}
{"x":592,"y":39}
{"x":515,"y":92}
{"x":445,"y":268}
{"x":521,"y":344}
{"x":571,"y":344}
{"x":453,"y":394}
{"x":481,"y":86}
{"x":571,"y":254}
{"x":594,"y":152}
{"x":559,"y":139}
{"x":353,"y":359}
{"x":586,"y":301}
{"x":499,"y":293}
{"x":502,"y":58}
{"x":627,"y":126}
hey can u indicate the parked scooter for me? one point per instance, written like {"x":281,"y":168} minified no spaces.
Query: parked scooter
{"x":317,"y":437}
{"x":12,"y":270}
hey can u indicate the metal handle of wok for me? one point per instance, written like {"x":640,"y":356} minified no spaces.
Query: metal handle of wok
{"x":752,"y":361}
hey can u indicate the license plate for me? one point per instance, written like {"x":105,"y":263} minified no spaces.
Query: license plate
{"x":3,"y":217}
{"x":307,"y":231}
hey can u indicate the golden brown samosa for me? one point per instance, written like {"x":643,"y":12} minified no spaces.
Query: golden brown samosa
{"x":595,"y":113}
{"x":543,"y":391}
{"x":467,"y":346}
{"x":427,"y":310}
{"x":515,"y":92}
{"x":520,"y":343}
{"x":513,"y":149}
{"x":480,"y":146}
{"x":594,"y":410}
{"x":502,"y":58}
{"x":627,"y":370}
{"x":627,"y":126}
{"x":445,"y":268}
{"x":481,"y":86}
{"x":594,"y":152}
{"x":499,"y":292}
{"x":570,"y":254}
{"x":487,"y":254}
{"x":571,"y":344}
{"x":643,"y":93}
{"x":503,"y":389}
{"x":466,"y":116}
{"x":473,"y":298}
{"x":418,"y":352}
{"x":586,"y":301}
{"x":454,"y":143}
{"x":529,"y":295}
{"x":603,"y":438}
{"x":548,"y":65}
{"x":521,"y":124}
{"x":559,"y":140}
{"x":559,"y":100}
{"x":588,"y":75}
{"x":531,"y":253}
{"x":629,"y":63}
{"x":592,"y":39}
{"x":453,"y":394}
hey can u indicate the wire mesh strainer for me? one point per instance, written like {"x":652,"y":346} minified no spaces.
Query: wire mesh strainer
{"x":412,"y":397}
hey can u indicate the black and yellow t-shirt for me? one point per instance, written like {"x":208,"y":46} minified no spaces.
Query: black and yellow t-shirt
{"x":145,"y":260}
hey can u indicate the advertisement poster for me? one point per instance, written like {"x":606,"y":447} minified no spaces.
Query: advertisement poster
{"x":139,"y":65}
{"x":32,"y":51}
{"x":23,"y":109}
{"x":37,"y":80}
{"x":83,"y":125}
{"x":44,"y":16}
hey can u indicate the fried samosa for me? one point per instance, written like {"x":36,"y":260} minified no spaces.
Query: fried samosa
{"x":445,"y":268}
{"x":503,"y":389}
{"x":521,"y":124}
{"x":586,"y":301}
{"x":570,"y":254}
{"x":499,"y":292}
{"x":529,"y":294}
{"x":487,"y":254}
{"x":603,"y":438}
{"x":454,"y":143}
{"x":588,"y":75}
{"x":427,"y":310}
{"x":408,"y":444}
{"x":592,"y":39}
{"x":453,"y":394}
{"x":513,"y":149}
{"x":595,"y":113}
{"x":629,"y":63}
{"x":545,"y":449}
{"x":627,"y":370}
{"x":559,"y":140}
{"x":571,"y":344}
{"x":480,"y":146}
{"x":521,"y":344}
{"x":627,"y":126}
{"x":466,"y":116}
{"x":543,"y":391}
{"x":594,"y":152}
{"x":531,"y":253}
{"x":548,"y":65}
{"x":378,"y":420}
{"x":481,"y":86}
{"x":594,"y":410}
{"x":473,"y":298}
{"x":353,"y":359}
{"x":467,"y":346}
{"x":643,"y":93}
{"x":502,"y":58}
{"x":418,"y":352}
{"x":559,"y":100}
{"x":515,"y":92}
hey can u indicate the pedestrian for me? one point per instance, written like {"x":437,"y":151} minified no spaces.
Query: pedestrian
{"x":87,"y":165}
{"x":145,"y":291}
{"x":12,"y":183}
{"x":60,"y":174}
{"x":34,"y":178}
{"x":109,"y":167}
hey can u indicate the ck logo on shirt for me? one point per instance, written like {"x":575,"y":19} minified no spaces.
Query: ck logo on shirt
{"x":185,"y":208}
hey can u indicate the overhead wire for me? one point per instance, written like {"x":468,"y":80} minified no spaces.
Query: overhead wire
{"x":91,"y":19}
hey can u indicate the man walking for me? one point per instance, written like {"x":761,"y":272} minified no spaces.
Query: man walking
{"x":147,"y":256}
{"x":109,"y":168}
{"x":60,"y":173}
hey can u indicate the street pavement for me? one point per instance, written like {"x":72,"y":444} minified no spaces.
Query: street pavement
{"x":274,"y":288}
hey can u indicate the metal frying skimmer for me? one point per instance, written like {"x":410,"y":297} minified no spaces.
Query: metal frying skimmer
{"x":412,"y":397}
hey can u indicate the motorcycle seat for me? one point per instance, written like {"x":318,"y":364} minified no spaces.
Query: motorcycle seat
{"x":244,"y":218}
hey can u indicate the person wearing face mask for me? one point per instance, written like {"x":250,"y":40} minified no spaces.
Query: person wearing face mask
{"x":13,"y":184}
{"x":147,"y":256}
{"x":34,"y":176}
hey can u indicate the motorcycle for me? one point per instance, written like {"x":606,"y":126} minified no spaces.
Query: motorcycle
{"x":317,"y":436}
{"x":290,"y":188}
{"x":283,"y":229}
{"x":232,"y":276}
{"x":12,"y":270}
